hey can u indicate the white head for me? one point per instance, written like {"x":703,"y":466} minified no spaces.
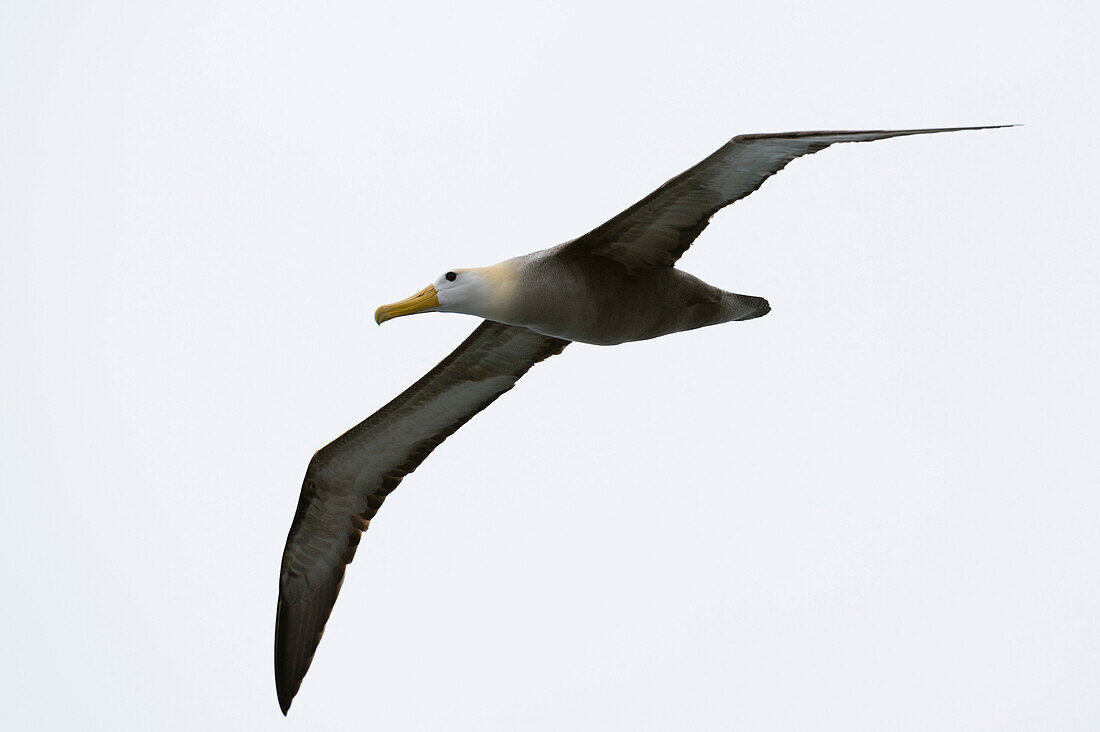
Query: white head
{"x":481,"y":291}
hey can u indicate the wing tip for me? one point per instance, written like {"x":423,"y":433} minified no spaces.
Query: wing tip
{"x":287,"y":681}
{"x":299,"y":626}
{"x":887,"y":133}
{"x":294,"y":648}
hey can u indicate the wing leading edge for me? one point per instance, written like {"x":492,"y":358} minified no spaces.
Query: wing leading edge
{"x":658,"y":229}
{"x":348,"y":479}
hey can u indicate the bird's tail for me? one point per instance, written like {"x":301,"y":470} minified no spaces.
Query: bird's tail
{"x":743,"y":307}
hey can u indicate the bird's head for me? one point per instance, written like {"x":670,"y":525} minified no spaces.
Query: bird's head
{"x":481,"y":291}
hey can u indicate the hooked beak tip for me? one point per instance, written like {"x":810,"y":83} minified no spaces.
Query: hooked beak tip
{"x":425,"y":300}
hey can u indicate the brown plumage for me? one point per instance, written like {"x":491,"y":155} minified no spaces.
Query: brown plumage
{"x":614,"y":284}
{"x":347,"y":481}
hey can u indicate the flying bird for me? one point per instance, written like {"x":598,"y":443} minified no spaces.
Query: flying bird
{"x":615,"y":284}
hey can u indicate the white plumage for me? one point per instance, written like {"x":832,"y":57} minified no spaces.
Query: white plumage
{"x":615,"y":284}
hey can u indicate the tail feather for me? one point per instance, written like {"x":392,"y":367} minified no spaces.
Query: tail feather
{"x":744,"y":307}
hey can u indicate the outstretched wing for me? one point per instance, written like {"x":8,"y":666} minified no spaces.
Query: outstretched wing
{"x":348,"y":479}
{"x":658,"y":229}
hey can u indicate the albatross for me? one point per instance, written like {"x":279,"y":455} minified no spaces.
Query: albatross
{"x":615,"y":284}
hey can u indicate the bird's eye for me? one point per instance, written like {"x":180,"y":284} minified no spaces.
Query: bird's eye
{"x":450,"y":276}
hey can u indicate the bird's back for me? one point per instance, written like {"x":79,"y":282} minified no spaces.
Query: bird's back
{"x":600,"y":301}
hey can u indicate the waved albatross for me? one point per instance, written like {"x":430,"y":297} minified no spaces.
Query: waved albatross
{"x":615,"y":284}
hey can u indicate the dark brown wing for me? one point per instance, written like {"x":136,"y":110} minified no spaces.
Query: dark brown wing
{"x":348,"y":479}
{"x":657,"y":230}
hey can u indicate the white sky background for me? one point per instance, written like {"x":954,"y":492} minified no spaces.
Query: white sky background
{"x":876,"y":508}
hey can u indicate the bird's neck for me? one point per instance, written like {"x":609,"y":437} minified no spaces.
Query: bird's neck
{"x":501,"y":283}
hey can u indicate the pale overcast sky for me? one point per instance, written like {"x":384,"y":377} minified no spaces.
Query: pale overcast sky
{"x":876,"y":508}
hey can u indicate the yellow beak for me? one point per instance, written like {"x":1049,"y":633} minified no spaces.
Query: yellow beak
{"x":426,"y":299}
